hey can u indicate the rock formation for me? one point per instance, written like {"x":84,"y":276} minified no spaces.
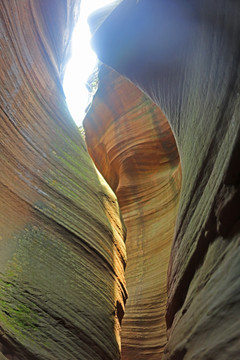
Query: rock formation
{"x":186,"y":58}
{"x":62,"y":251}
{"x":132,"y":145}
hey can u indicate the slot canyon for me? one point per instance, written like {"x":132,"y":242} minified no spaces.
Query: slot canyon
{"x":122,"y":242}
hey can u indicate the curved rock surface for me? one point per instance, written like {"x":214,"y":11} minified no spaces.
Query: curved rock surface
{"x":132,"y":145}
{"x":186,"y":58}
{"x":62,"y":251}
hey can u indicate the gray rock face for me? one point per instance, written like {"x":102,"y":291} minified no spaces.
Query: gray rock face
{"x":186,"y":58}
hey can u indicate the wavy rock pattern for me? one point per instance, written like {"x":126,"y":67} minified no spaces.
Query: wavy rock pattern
{"x":62,"y":251}
{"x":132,"y":145}
{"x":186,"y":58}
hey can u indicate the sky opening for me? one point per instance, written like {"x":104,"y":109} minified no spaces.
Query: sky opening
{"x":82,"y":62}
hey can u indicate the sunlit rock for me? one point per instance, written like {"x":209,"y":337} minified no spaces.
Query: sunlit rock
{"x":62,"y":251}
{"x":132,"y":145}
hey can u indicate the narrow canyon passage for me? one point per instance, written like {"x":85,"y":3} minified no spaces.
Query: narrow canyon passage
{"x":62,"y":242}
{"x":132,"y":145}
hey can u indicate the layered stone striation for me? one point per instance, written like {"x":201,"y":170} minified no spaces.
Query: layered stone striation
{"x":132,"y":145}
{"x":186,"y":58}
{"x":62,"y":251}
{"x":62,"y":254}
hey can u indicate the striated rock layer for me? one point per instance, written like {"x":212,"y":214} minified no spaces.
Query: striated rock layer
{"x":62,"y":251}
{"x":132,"y":145}
{"x":186,"y":58}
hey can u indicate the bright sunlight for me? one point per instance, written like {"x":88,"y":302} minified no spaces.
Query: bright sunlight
{"x":82,"y":62}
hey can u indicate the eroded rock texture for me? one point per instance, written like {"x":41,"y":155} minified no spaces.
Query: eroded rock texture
{"x":185,"y":56}
{"x":132,"y":145}
{"x":62,"y":253}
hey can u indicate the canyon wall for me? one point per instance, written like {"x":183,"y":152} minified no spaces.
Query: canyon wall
{"x":132,"y":145}
{"x":62,"y":250}
{"x":186,"y":58}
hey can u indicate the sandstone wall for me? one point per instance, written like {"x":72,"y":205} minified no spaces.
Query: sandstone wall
{"x":62,"y":251}
{"x":185,"y":56}
{"x":132,"y":145}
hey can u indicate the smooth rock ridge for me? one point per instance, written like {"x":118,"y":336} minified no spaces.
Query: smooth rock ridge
{"x":132,"y":145}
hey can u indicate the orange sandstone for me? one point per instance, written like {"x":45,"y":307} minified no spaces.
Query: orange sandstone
{"x":132,"y":145}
